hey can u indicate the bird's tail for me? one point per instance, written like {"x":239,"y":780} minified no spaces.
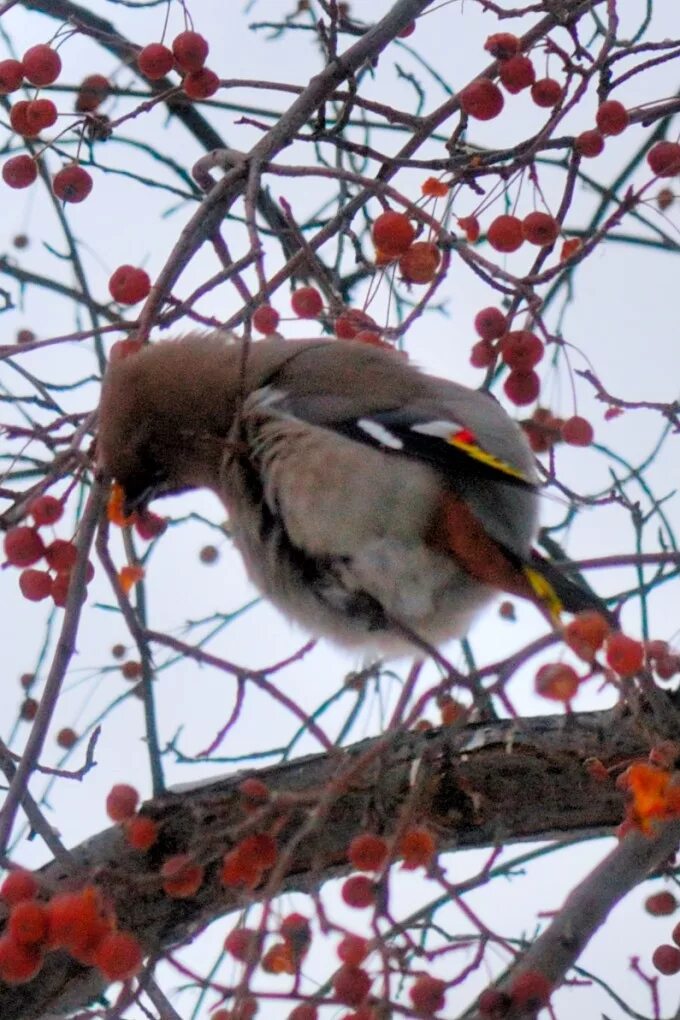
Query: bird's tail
{"x":559,"y":593}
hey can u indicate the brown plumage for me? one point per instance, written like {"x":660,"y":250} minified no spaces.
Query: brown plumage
{"x":367,"y":499}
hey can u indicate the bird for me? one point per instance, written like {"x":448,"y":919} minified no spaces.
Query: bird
{"x":372,"y":503}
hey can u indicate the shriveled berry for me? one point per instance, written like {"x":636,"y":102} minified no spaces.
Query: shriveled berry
{"x":481,"y":99}
{"x":23,"y":546}
{"x":392,"y":233}
{"x":470,"y":225}
{"x":517,"y":73}
{"x":201,"y":84}
{"x":420,"y":263}
{"x":589,"y":144}
{"x":307,"y":302}
{"x":94,"y":89}
{"x":540,"y":228}
{"x":41,"y":64}
{"x":505,"y":233}
{"x":19,"y":171}
{"x":129,"y":284}
{"x":612,"y":117}
{"x":577,"y":431}
{"x":265,"y":319}
{"x":190,"y":50}
{"x":155,"y":61}
{"x":546,"y":92}
{"x":72,"y":184}
{"x":664,"y":159}
{"x":522,"y":387}
{"x":490,"y":323}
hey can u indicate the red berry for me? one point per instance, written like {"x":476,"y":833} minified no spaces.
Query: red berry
{"x":505,"y":233}
{"x":155,"y":61}
{"x":265,"y":319}
{"x":18,"y":964}
{"x":540,"y":228}
{"x":358,"y":891}
{"x":470,"y":224}
{"x":128,"y":285}
{"x":675,"y":934}
{"x":11,"y":76}
{"x":119,"y":956}
{"x":428,"y":994}
{"x":351,"y":985}
{"x":661,"y":904}
{"x":40,"y":114}
{"x":522,"y":387}
{"x":190,"y":50}
{"x":612,"y":117}
{"x":17,"y":886}
{"x":589,"y":144}
{"x":666,"y":959}
{"x":72,"y":184}
{"x":624,"y":654}
{"x":664,"y":159}
{"x":392,"y":233}
{"x":481,"y":99}
{"x":305,"y":1011}
{"x":367,"y":852}
{"x":45,"y":510}
{"x":182,"y":877}
{"x":517,"y":73}
{"x":586,"y":634}
{"x":417,"y":847}
{"x":350,"y":322}
{"x":18,"y":118}
{"x":530,"y":989}
{"x":521,"y":350}
{"x":502,"y":45}
{"x":420,"y":263}
{"x":35,"y":585}
{"x":121,"y":802}
{"x":490,"y":323}
{"x":23,"y":546}
{"x":353,"y":950}
{"x":67,"y":738}
{"x":41,"y":64}
{"x":493,"y":1004}
{"x":546,"y":92}
{"x":307,"y":302}
{"x":254,"y":792}
{"x":61,"y":555}
{"x":28,"y":710}
{"x":28,"y":922}
{"x":19,"y":171}
{"x":557,"y":681}
{"x":149,"y":525}
{"x":577,"y":431}
{"x":141,"y":832}
{"x":92,"y":92}
{"x":201,"y":84}
{"x":244,"y":944}
{"x":408,"y":29}
{"x":483,"y":354}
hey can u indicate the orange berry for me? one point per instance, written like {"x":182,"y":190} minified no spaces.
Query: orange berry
{"x":76,"y":922}
{"x":546,"y":92}
{"x":182,"y":876}
{"x":155,"y":61}
{"x":522,"y":387}
{"x":141,"y":832}
{"x":586,"y":633}
{"x":557,"y":681}
{"x":121,"y":802}
{"x":624,"y":655}
{"x":307,"y":302}
{"x":417,"y":847}
{"x":481,"y":99}
{"x":358,"y":891}
{"x":190,"y":50}
{"x":351,"y":985}
{"x":367,"y":852}
{"x":420,"y":263}
{"x":612,"y":117}
{"x":517,"y":73}
{"x":570,"y":247}
{"x":18,"y":964}
{"x":392,"y":233}
{"x":41,"y":64}
{"x":433,"y":188}
{"x":540,"y":228}
{"x":428,"y":994}
{"x":17,"y":886}
{"x":128,"y":285}
{"x":470,"y":225}
{"x":72,"y":183}
{"x":119,"y":956}
{"x":505,"y":233}
{"x":28,"y":922}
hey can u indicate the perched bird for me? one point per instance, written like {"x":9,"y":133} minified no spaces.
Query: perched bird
{"x":372,"y":503}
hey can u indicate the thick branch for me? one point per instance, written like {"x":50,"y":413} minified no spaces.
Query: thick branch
{"x":479,"y":785}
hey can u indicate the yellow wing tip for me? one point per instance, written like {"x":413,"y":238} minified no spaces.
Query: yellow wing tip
{"x":544,"y":591}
